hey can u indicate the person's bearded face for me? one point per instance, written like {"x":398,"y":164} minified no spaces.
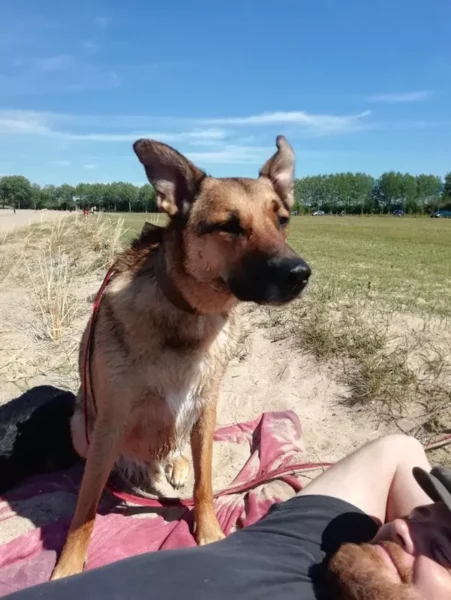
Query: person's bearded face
{"x":358,"y":572}
{"x":409,"y":559}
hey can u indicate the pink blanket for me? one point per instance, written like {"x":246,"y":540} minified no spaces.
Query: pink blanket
{"x":274,"y":452}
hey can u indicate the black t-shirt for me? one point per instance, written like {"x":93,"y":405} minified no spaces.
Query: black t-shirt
{"x":275,"y":558}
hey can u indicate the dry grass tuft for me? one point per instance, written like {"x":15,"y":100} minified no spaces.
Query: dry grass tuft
{"x":328,"y":325}
{"x":382,"y":379}
{"x":51,"y":268}
{"x":62,"y":252}
{"x":392,"y":372}
{"x":52,"y":288}
{"x":11,"y":254}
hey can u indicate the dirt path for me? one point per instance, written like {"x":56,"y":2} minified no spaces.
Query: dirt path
{"x":21,"y":218}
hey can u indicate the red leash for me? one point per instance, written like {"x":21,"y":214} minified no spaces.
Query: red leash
{"x":87,"y":357}
{"x":282,"y":473}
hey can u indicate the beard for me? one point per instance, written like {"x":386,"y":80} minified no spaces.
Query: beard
{"x":357,"y":572}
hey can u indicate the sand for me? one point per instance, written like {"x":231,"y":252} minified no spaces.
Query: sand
{"x":21,"y":218}
{"x":266,"y":375}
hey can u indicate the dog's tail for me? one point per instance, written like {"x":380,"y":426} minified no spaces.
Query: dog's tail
{"x":35,"y":435}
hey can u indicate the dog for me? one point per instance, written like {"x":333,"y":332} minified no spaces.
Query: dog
{"x":166,"y":329}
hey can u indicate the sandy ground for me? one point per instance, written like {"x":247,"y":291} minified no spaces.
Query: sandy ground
{"x":21,"y":218}
{"x":266,"y":375}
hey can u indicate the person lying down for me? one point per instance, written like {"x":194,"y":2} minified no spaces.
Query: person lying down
{"x":375,"y":526}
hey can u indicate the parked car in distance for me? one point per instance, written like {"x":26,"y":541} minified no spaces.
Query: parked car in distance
{"x":441,"y":214}
{"x":319,"y":213}
{"x":398,"y":213}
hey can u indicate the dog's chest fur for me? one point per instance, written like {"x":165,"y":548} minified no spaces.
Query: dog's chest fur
{"x":194,"y":372}
{"x":169,"y":360}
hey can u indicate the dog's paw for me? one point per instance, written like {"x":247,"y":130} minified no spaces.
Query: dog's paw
{"x":209,"y":533}
{"x":177,"y":471}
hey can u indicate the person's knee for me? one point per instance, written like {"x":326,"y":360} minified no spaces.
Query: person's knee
{"x":400,"y":443}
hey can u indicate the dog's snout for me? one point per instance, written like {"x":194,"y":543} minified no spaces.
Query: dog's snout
{"x":290,"y":272}
{"x":300,"y":272}
{"x":270,"y":280}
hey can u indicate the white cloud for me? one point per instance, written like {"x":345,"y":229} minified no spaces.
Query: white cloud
{"x":23,"y":122}
{"x":400,"y":97}
{"x":195,"y":131}
{"x":233,"y":154}
{"x":46,"y":124}
{"x":164,"y":136}
{"x":316,"y":124}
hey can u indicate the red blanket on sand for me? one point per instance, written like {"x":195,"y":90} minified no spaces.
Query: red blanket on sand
{"x":274,"y":449}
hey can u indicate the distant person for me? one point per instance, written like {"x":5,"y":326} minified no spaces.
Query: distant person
{"x":376,"y":526}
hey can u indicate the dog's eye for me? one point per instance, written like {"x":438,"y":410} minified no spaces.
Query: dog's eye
{"x":233,"y":227}
{"x":283,"y":221}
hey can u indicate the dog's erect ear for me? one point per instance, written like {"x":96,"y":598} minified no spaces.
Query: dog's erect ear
{"x":175,"y":179}
{"x":280,"y":170}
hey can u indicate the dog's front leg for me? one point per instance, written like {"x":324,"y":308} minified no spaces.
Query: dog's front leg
{"x":102,"y":453}
{"x":207,"y":526}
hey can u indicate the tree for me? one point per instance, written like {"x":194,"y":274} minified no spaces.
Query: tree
{"x":94,"y":194}
{"x":352,"y":193}
{"x":359,"y":187}
{"x":16,"y":191}
{"x":388,"y":191}
{"x":146,"y":198}
{"x":66,"y":194}
{"x":49,"y":195}
{"x":447,"y":187}
{"x":409,"y":193}
{"x":429,"y":189}
{"x":82,"y":195}
{"x":40,"y":198}
{"x":122,"y":196}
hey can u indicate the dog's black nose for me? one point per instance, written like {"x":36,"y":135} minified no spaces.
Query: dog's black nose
{"x":270,"y":280}
{"x":300,"y":273}
{"x":290,"y":273}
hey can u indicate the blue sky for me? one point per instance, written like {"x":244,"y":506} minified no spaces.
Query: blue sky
{"x":353,"y":84}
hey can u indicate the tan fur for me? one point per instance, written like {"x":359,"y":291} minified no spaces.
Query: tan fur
{"x":155,"y":369}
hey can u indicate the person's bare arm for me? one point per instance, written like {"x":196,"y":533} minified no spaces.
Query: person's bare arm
{"x":377,"y":478}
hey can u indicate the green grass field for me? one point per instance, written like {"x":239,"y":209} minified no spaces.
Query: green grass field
{"x":404,"y":263}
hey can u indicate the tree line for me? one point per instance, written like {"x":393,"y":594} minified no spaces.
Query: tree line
{"x":349,"y":193}
{"x":358,"y":193}
{"x":120,"y":196}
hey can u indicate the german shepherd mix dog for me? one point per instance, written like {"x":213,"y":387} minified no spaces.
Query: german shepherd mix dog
{"x":165,"y":328}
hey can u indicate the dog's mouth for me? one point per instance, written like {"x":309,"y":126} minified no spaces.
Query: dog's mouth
{"x":281,"y":299}
{"x":275,"y":283}
{"x":221,"y":285}
{"x":269,"y":295}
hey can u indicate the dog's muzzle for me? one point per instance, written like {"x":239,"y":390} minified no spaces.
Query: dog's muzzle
{"x":274,"y":280}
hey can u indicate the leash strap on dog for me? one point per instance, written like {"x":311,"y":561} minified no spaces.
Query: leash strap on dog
{"x":88,"y":350}
{"x":285,"y":474}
